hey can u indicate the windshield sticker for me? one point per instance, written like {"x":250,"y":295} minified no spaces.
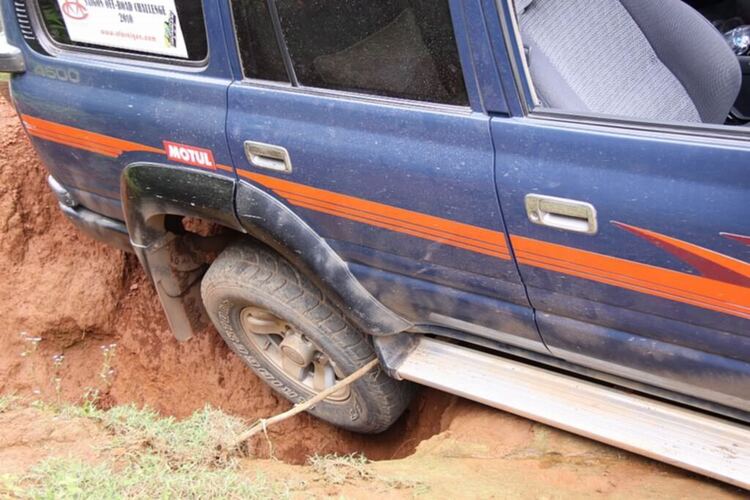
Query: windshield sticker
{"x":152,"y":27}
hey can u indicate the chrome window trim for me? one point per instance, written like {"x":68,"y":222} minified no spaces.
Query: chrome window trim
{"x":357,"y":96}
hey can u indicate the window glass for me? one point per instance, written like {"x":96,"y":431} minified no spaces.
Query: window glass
{"x":256,"y":38}
{"x":674,"y":54}
{"x":178,"y":35}
{"x":396,"y":48}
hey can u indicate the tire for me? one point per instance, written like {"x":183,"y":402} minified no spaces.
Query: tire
{"x":247,"y":278}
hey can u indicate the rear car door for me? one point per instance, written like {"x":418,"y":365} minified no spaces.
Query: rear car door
{"x":634,"y":244}
{"x":110,"y":83}
{"x":365,"y":118}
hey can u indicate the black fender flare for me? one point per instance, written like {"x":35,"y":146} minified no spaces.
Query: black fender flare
{"x":151,"y":191}
{"x":272,"y":222}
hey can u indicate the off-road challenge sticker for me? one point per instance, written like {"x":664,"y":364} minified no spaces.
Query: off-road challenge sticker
{"x":151,"y":26}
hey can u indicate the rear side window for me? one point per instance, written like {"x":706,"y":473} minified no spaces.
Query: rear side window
{"x":257,"y":40}
{"x":163,"y":28}
{"x":395,"y":48}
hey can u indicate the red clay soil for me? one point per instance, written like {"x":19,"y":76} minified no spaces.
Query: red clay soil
{"x":78,"y":295}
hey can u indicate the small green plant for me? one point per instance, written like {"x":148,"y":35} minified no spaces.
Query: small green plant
{"x":30,"y":347}
{"x":57,"y":364}
{"x":107,"y":372}
{"x":31,"y":344}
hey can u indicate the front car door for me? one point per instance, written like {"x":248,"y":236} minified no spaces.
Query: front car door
{"x":96,"y":97}
{"x":365,"y":118}
{"x":634,"y":245}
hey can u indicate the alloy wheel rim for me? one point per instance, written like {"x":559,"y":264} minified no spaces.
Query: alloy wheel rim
{"x":289,"y":350}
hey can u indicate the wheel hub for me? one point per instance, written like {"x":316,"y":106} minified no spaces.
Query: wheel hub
{"x":297,"y":349}
{"x":291,"y":351}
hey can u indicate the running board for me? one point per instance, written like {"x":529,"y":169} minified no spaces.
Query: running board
{"x":694,"y":441}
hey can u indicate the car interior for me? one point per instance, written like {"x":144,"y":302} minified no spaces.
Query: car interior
{"x":666,"y":61}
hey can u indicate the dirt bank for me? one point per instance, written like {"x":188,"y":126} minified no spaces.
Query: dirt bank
{"x":65,"y":294}
{"x":78,"y":296}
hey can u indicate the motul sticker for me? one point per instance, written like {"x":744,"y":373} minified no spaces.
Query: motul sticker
{"x":190,"y":155}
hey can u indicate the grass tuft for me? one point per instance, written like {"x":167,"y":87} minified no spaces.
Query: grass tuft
{"x":341,"y":469}
{"x":204,"y":439}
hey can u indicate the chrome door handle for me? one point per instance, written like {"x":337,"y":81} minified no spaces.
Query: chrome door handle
{"x":561,"y":213}
{"x":268,"y":156}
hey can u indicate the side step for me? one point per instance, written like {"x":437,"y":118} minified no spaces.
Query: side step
{"x":694,"y":441}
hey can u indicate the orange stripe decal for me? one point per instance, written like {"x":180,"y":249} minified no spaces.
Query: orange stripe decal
{"x":97,"y":143}
{"x":424,"y":226}
{"x":709,"y":263}
{"x":700,"y":291}
{"x":376,"y":218}
{"x":723,"y":286}
{"x":737,"y":237}
{"x":75,"y":137}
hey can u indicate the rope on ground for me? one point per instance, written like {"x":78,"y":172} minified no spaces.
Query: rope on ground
{"x":263,"y":424}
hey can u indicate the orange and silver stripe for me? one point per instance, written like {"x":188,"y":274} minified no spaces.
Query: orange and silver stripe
{"x":420,"y":225}
{"x":722,"y":285}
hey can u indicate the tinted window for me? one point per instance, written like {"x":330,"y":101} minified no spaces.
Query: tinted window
{"x":189,"y":12}
{"x":397,"y":48}
{"x":257,"y":42}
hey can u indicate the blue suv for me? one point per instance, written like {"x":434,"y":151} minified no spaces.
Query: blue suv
{"x":543,"y":205}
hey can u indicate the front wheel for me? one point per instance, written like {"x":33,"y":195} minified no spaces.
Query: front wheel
{"x":294,"y":338}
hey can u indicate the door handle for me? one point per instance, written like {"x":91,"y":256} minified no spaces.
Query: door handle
{"x":561,"y":213}
{"x":268,"y":156}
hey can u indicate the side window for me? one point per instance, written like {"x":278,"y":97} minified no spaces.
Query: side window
{"x":395,"y":48}
{"x":256,"y":39}
{"x":164,"y":28}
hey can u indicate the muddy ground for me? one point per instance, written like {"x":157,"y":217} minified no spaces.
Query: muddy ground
{"x":78,"y":296}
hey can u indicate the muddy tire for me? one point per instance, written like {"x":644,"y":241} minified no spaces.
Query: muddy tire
{"x":294,"y":338}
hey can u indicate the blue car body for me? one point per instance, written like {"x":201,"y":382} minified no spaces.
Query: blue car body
{"x":426,"y":203}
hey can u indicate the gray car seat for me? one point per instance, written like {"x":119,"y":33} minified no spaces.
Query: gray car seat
{"x":645,"y":59}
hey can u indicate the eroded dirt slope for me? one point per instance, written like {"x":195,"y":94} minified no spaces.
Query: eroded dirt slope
{"x":78,"y":296}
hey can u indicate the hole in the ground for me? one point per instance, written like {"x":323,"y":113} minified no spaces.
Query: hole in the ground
{"x":295,"y":441}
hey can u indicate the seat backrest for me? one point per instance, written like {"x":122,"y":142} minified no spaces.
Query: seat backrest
{"x":644,"y":59}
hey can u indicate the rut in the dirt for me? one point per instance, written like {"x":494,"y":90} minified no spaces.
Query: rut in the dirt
{"x":78,"y":296}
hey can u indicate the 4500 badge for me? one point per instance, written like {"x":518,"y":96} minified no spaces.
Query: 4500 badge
{"x":57,"y":73}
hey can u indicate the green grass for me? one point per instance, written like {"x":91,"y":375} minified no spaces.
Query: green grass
{"x":156,"y":457}
{"x":207,"y":438}
{"x":145,"y":478}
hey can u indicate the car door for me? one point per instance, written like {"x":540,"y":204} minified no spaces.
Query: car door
{"x":365,"y":119}
{"x":634,"y":244}
{"x":95,"y":97}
